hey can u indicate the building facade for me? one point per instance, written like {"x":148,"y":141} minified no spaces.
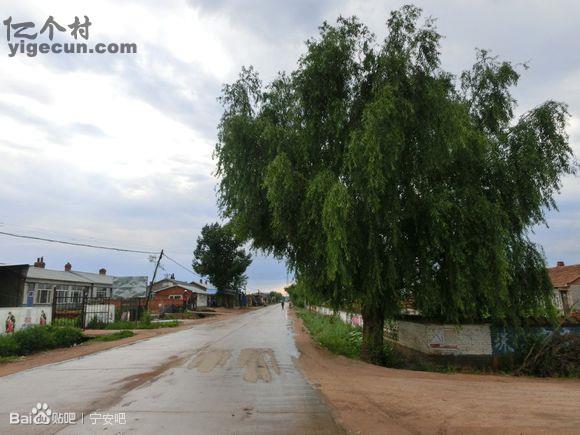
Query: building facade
{"x":25,"y":285}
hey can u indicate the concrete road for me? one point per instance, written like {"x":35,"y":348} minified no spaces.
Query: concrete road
{"x":233,"y":376}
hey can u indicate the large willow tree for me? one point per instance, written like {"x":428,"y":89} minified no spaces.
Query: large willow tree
{"x":380,"y":177}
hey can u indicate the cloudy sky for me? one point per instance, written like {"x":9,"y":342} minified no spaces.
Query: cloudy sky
{"x":116,"y":149}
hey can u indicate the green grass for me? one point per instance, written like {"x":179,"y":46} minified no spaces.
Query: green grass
{"x":332,"y":333}
{"x":141,"y":325}
{"x":114,"y":336}
{"x":343,"y":339}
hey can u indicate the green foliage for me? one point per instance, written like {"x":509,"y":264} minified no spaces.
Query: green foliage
{"x":380,"y":177}
{"x":66,"y":336}
{"x":275,"y":297}
{"x":34,"y":339}
{"x":219,"y":256}
{"x":95,"y":323}
{"x":146,"y":317}
{"x":37,"y":338}
{"x":67,"y":322}
{"x":122,"y":324}
{"x":333,"y":333}
{"x":555,"y":355}
{"x":9,"y":346}
{"x":114,"y":336}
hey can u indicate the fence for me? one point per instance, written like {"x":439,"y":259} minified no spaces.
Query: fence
{"x":82,"y":311}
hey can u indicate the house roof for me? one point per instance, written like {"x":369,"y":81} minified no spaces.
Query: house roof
{"x":168,"y":283}
{"x":40,"y":273}
{"x":563,"y":276}
{"x":96,"y":278}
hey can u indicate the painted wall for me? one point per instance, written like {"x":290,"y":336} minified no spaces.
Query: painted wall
{"x":15,"y":319}
{"x":503,"y":338}
{"x":440,"y":339}
{"x":201,"y":300}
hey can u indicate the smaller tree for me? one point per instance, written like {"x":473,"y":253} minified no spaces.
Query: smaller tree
{"x":219,"y":256}
{"x":275,"y":297}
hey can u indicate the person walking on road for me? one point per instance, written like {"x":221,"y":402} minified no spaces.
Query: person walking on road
{"x":282,"y":304}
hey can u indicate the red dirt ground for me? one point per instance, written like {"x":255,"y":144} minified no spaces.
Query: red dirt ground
{"x":369,"y":399}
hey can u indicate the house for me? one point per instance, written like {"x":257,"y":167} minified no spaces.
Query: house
{"x":25,"y":285}
{"x":566,"y":282}
{"x":170,"y":294}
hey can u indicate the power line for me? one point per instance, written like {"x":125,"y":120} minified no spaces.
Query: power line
{"x":181,"y":265}
{"x":86,"y":245}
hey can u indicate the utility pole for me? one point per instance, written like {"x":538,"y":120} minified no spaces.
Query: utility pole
{"x":153,"y":280}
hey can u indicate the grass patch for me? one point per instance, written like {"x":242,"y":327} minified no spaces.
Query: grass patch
{"x":114,"y":336}
{"x":332,"y":333}
{"x":142,"y":325}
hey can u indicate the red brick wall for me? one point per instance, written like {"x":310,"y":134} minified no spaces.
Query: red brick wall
{"x":161,"y":298}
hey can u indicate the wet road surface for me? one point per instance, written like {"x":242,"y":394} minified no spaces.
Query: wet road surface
{"x":233,"y":376}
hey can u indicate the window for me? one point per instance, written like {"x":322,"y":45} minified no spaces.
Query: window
{"x":174,"y":296}
{"x":102,"y":292}
{"x":44,"y":293}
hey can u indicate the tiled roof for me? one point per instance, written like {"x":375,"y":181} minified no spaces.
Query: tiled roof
{"x":563,"y":276}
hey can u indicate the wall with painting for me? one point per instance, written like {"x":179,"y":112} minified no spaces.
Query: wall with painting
{"x":14,"y":319}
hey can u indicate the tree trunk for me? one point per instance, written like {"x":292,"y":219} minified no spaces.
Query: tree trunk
{"x":373,"y":327}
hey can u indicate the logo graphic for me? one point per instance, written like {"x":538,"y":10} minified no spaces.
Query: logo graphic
{"x":41,"y":413}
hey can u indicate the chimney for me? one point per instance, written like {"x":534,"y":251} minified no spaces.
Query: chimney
{"x":560,"y":264}
{"x":67,"y":267}
{"x":40,"y":263}
{"x":102,"y":271}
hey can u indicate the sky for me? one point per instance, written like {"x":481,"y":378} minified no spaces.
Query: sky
{"x":117,"y":149}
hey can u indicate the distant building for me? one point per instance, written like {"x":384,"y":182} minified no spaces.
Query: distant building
{"x":25,"y":285}
{"x":566,"y":282}
{"x":169,"y":294}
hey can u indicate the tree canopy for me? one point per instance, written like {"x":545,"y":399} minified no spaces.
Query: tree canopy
{"x":219,"y":256}
{"x":380,"y":177}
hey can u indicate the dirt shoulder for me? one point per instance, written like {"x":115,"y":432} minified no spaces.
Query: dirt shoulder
{"x":369,"y":399}
{"x":59,"y":355}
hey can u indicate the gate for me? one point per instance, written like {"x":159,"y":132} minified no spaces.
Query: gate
{"x":81,"y":311}
{"x":132,"y":309}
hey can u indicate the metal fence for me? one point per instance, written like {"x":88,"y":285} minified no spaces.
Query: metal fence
{"x":82,"y":311}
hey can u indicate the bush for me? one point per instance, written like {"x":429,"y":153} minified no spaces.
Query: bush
{"x":332,"y":333}
{"x":8,"y":346}
{"x":34,"y":339}
{"x":37,"y":338}
{"x":554,"y":355}
{"x":66,"y":336}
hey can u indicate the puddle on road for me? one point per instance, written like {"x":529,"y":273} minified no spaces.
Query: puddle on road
{"x":208,"y":360}
{"x":259,"y":364}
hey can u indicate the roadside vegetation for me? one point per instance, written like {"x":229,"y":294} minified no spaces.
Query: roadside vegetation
{"x":113,"y":337}
{"x":341,"y":338}
{"x":141,"y":325}
{"x":39,"y":338}
{"x":536,"y":355}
